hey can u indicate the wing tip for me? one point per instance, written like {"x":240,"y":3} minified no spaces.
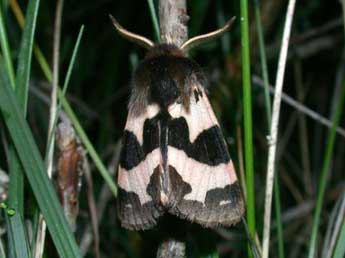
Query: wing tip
{"x":139,"y":221}
{"x":135,"y":215}
{"x":232,"y":218}
{"x":215,"y":211}
{"x":137,"y":227}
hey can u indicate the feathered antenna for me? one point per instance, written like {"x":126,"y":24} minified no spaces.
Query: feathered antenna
{"x":189,"y":44}
{"x":198,"y":40}
{"x":135,"y":38}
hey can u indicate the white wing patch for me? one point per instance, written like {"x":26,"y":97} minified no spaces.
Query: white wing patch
{"x":200,"y":116}
{"x":135,"y":122}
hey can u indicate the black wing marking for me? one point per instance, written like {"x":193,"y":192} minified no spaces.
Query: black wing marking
{"x":140,"y":159}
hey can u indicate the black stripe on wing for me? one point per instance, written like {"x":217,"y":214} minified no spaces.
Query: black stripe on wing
{"x":132,"y":152}
{"x":208,"y":148}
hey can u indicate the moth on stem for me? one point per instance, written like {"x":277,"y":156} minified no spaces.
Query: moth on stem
{"x":174,"y":157}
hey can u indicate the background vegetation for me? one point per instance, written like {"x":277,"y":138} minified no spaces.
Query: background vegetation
{"x":309,"y":208}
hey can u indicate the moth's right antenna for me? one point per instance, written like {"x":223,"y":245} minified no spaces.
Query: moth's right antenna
{"x":198,"y":40}
{"x":135,"y":38}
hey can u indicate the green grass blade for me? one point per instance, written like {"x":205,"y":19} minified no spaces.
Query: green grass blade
{"x":71,"y":64}
{"x":339,"y":251}
{"x":6,"y":49}
{"x":263,"y":61}
{"x":248,"y":128}
{"x":16,"y":183}
{"x":35,"y":171}
{"x":43,"y":63}
{"x":17,"y":235}
{"x":16,"y":189}
{"x":325,"y":171}
{"x":25,"y":54}
{"x":154,"y":19}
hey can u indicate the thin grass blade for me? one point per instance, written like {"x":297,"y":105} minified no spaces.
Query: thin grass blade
{"x":16,"y":189}
{"x":154,"y":19}
{"x":25,"y":54}
{"x":248,"y":127}
{"x":325,"y":171}
{"x":6,"y":49}
{"x":339,"y":251}
{"x":16,"y":235}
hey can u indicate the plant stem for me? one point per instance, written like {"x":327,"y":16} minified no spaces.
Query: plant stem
{"x":278,"y":217}
{"x":172,"y":15}
{"x":41,"y":232}
{"x":269,"y":120}
{"x":172,"y":18}
{"x":274,"y":127}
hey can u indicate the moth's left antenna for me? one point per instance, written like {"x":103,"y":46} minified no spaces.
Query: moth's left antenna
{"x":135,"y":38}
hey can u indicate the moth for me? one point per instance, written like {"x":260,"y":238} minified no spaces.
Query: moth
{"x":174,"y":157}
